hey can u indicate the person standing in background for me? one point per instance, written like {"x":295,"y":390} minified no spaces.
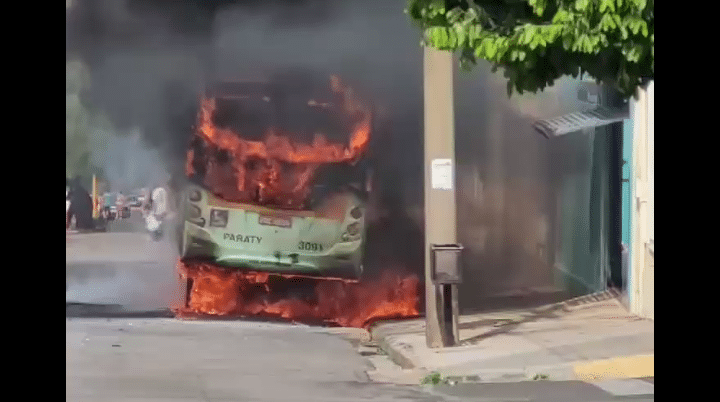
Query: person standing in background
{"x":159,"y":199}
{"x":156,"y":211}
{"x":120,"y":205}
{"x":81,"y":205}
{"x":147,"y":201}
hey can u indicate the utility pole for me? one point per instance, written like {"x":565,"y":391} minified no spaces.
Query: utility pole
{"x":441,"y":307}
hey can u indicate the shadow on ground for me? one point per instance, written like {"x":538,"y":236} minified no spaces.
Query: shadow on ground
{"x":89,"y":310}
{"x":539,"y":312}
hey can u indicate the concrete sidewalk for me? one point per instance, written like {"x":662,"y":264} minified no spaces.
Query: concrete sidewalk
{"x":593,"y":338}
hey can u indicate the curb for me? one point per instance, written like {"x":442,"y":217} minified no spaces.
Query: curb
{"x":359,"y":335}
{"x":619,"y":367}
{"x":396,"y":356}
{"x":616,"y":368}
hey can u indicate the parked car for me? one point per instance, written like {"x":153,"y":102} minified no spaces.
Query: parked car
{"x":108,"y":211}
{"x":134,"y":201}
{"x":124,"y":212}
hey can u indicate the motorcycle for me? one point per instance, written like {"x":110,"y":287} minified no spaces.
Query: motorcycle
{"x":154,"y":226}
{"x":153,"y":223}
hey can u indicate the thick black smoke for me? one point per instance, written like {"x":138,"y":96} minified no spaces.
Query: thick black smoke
{"x":148,"y":61}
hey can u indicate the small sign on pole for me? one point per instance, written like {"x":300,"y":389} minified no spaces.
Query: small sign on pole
{"x":442,"y":174}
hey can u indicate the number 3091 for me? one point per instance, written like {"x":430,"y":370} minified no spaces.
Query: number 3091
{"x":307,"y":246}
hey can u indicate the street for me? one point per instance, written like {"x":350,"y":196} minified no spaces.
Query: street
{"x":166,"y":359}
{"x":217,"y":361}
{"x":134,"y":223}
{"x":120,"y":270}
{"x":123,"y":344}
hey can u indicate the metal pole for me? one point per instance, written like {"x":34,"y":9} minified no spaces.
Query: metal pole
{"x":440,"y":215}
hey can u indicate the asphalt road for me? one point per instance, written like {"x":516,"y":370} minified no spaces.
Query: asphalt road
{"x":171,"y":360}
{"x":134,"y":223}
{"x":122,"y":345}
{"x":166,"y":359}
{"x":121,"y":269}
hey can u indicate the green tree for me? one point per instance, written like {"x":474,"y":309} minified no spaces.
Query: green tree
{"x":82,"y":124}
{"x":535,"y":42}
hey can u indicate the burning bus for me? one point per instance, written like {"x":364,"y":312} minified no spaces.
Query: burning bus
{"x":278,"y":179}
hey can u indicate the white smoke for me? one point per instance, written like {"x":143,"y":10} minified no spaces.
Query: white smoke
{"x":128,"y":164}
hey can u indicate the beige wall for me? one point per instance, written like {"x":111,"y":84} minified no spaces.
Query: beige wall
{"x":642,"y":268}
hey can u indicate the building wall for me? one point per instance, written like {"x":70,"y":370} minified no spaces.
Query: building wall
{"x":532,"y":213}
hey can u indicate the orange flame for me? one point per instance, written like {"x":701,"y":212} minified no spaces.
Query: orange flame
{"x":243,"y":179}
{"x":222,"y":292}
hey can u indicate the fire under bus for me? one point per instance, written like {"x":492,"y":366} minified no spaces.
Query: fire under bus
{"x":278,"y":181}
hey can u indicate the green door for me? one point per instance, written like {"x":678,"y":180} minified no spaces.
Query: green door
{"x":626,"y":195}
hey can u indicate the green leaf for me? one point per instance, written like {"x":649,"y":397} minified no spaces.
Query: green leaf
{"x":452,"y":38}
{"x":554,"y":32}
{"x":634,"y":25}
{"x":461,"y":35}
{"x":490,"y":49}
{"x":535,"y":43}
{"x":581,"y":5}
{"x":473,"y":32}
{"x":438,"y":37}
{"x":538,"y":6}
{"x":618,"y":20}
{"x":637,"y":52}
{"x":531,"y":33}
{"x":561,"y":16}
{"x":604,"y":41}
{"x":607,"y":4}
{"x":444,"y":37}
{"x":471,"y":14}
{"x":525,"y":37}
{"x":482,"y":49}
{"x":453,"y":16}
{"x":437,"y":6}
{"x":607,"y":23}
{"x":624,"y":32}
{"x":640,"y":4}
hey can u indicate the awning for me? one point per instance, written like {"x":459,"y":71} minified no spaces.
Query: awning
{"x":573,"y":122}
